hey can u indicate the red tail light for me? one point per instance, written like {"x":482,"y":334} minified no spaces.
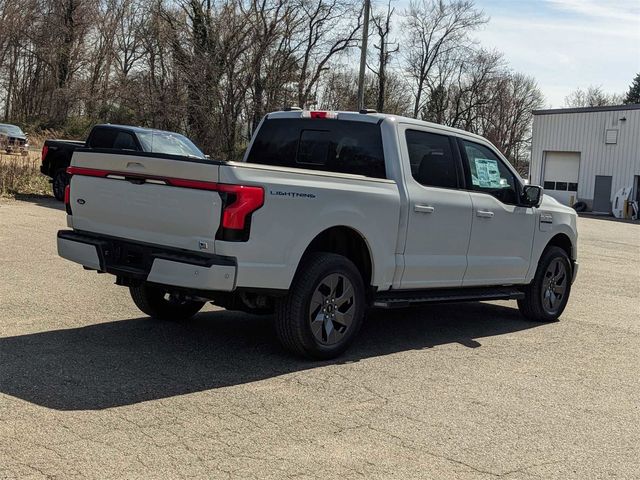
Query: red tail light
{"x":319,"y":114}
{"x":246,"y":201}
{"x":45,"y":150}
{"x":67,"y":199}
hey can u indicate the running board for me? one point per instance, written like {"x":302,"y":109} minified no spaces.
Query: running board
{"x":406,"y":298}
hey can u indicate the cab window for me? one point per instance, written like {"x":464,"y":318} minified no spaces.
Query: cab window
{"x":488,"y":174}
{"x":102,"y":137}
{"x":432,"y":161}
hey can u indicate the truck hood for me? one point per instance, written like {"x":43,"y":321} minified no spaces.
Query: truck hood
{"x":550,"y":203}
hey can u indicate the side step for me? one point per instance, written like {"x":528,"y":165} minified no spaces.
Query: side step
{"x":406,"y":298}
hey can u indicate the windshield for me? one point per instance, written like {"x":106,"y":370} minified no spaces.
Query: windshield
{"x":169,"y":143}
{"x":11,"y":130}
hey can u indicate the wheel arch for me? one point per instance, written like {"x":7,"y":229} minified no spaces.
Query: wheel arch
{"x":345,"y":241}
{"x":563,"y":241}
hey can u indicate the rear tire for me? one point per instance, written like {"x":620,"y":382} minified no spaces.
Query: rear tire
{"x":158,"y":303}
{"x":323,"y":312}
{"x":60,"y":182}
{"x":547,"y":295}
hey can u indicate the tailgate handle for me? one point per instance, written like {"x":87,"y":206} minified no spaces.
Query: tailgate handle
{"x":135,"y":165}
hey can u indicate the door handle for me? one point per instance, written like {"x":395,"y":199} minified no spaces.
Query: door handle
{"x":484,"y":213}
{"x":423,"y":208}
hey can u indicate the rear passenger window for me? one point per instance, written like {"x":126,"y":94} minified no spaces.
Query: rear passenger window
{"x":320,"y":144}
{"x":431,"y":158}
{"x":102,"y":138}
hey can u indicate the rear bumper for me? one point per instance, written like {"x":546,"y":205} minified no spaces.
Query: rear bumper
{"x":152,"y":263}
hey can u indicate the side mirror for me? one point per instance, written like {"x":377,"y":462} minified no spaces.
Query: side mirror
{"x":531,"y":195}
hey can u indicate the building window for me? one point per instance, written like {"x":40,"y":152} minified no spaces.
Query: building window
{"x":573,"y":187}
{"x":549,"y":185}
{"x":561,"y":186}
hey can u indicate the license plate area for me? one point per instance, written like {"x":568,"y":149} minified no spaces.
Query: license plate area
{"x":127,"y":258}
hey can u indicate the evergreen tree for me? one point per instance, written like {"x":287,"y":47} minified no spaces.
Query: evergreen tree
{"x":633,"y":95}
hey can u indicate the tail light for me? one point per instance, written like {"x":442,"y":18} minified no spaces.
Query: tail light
{"x":45,"y":150}
{"x":67,"y":199}
{"x":71,"y":171}
{"x":238,"y":203}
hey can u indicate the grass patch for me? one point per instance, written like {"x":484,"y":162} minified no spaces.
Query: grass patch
{"x":21,"y":176}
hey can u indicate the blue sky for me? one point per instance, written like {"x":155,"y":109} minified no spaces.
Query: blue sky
{"x":565,"y":44}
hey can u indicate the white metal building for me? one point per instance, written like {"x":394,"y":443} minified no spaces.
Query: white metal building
{"x":586,"y":154}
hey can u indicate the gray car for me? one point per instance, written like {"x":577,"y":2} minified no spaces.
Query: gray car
{"x":13,"y":139}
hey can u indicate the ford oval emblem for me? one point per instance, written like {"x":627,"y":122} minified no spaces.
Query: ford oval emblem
{"x":81,"y":201}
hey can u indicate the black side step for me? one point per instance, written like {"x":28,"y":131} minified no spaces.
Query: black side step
{"x":406,"y":298}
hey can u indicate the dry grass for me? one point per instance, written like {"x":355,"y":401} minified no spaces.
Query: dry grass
{"x":21,"y":176}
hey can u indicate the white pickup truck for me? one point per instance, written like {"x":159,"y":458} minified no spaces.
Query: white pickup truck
{"x":328,"y":214}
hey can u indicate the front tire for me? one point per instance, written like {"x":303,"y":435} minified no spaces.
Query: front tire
{"x":158,"y":303}
{"x":323,"y":312}
{"x":60,"y":182}
{"x":547,"y":295}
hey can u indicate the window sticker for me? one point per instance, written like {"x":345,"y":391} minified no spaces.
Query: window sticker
{"x":488,"y":174}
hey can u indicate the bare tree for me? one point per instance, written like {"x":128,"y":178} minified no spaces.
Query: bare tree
{"x":593,"y":96}
{"x":435,"y":28}
{"x":382,"y":24}
{"x":328,"y":30}
{"x":507,"y":119}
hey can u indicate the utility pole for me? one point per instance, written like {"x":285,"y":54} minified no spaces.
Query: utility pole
{"x":363,"y":54}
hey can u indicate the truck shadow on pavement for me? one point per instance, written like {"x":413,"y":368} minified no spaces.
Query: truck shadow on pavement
{"x":41,"y":201}
{"x":129,"y":361}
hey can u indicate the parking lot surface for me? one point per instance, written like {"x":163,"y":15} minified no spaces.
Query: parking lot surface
{"x":90,"y":388}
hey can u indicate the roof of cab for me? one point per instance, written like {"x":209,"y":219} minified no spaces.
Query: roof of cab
{"x":374,"y":117}
{"x":132,"y":128}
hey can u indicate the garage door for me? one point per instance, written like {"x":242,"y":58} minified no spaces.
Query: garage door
{"x":561,"y":175}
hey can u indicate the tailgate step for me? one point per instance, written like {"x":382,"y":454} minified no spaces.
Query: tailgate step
{"x":406,"y":298}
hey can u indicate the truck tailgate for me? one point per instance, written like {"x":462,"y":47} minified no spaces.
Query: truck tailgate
{"x":162,"y":201}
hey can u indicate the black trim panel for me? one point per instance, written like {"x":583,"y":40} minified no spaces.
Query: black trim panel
{"x":406,"y":298}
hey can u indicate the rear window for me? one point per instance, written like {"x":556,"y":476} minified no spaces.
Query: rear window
{"x":320,"y":144}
